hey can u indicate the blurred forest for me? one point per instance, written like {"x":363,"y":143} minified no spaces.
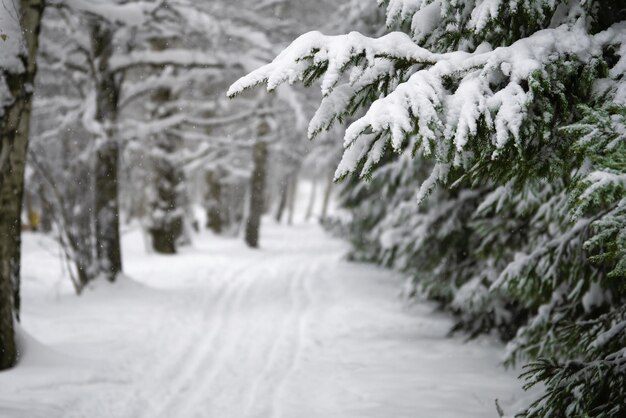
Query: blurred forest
{"x":130,"y":123}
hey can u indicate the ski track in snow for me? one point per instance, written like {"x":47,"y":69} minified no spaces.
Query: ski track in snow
{"x":222,"y":331}
{"x":180,"y":376}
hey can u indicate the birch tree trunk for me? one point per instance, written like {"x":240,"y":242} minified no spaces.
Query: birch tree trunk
{"x":257,"y":187}
{"x":107,"y":212}
{"x":14,"y":131}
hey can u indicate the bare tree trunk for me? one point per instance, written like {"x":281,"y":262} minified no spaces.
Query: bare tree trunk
{"x":282,"y":203}
{"x":167,"y":217}
{"x":46,"y":210}
{"x":293,"y":190}
{"x":327,"y":192}
{"x":311,"y":205}
{"x":14,"y":131}
{"x":257,"y":187}
{"x":107,"y":211}
{"x":267,"y":199}
{"x":236,"y":200}
{"x":167,"y":213}
{"x":213,"y":202}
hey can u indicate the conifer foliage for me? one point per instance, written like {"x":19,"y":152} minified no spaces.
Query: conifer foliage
{"x":516,"y":109}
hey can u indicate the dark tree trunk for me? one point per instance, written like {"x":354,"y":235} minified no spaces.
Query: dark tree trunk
{"x":106,"y":205}
{"x":267,"y":200}
{"x":46,"y":210}
{"x":282,"y":203}
{"x":293,"y":190}
{"x":163,"y":241}
{"x":14,"y":131}
{"x":167,"y":213}
{"x":257,"y":187}
{"x":107,"y":210}
{"x":235,"y":198}
{"x":312,"y":198}
{"x":10,"y":224}
{"x":167,"y":217}
{"x":325,"y":202}
{"x":213,"y":202}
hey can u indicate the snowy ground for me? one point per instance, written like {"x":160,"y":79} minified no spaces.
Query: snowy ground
{"x":222,"y":331}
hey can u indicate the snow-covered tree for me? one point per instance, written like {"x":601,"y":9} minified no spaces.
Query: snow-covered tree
{"x":60,"y":155}
{"x":19,"y":31}
{"x":122,"y":67}
{"x":517,"y":107}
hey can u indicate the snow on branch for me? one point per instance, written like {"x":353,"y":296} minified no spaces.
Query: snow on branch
{"x":175,"y":57}
{"x":343,"y":99}
{"x":163,"y":79}
{"x":422,"y":103}
{"x":523,"y":262}
{"x":145,"y":128}
{"x":11,"y":52}
{"x":231,"y":119}
{"x":130,"y":14}
{"x":443,"y":100}
{"x":332,"y":55}
{"x":597,"y":181}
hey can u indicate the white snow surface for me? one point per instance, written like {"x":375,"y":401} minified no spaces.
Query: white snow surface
{"x":219,"y":330}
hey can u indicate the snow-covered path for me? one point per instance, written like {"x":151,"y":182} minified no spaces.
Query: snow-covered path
{"x":221,"y":331}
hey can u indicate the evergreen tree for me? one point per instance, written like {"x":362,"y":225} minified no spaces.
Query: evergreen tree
{"x":517,"y":108}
